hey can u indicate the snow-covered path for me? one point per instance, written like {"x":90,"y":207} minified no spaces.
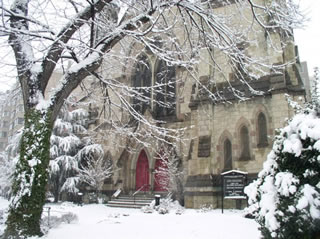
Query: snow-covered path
{"x":99,"y":222}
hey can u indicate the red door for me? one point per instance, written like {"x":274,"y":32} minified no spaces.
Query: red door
{"x":142,"y":172}
{"x":161,"y":176}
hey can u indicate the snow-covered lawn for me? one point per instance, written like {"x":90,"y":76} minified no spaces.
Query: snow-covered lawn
{"x":97,"y":221}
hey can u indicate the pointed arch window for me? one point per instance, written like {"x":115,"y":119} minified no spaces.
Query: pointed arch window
{"x":244,"y":144}
{"x":262,"y":130}
{"x":141,"y":81}
{"x":165,"y":90}
{"x":227,"y":151}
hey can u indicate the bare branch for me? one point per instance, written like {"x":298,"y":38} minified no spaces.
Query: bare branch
{"x":56,"y":49}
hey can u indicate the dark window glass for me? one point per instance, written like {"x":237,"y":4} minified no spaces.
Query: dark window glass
{"x":244,"y":143}
{"x":227,"y":148}
{"x":262,"y":131}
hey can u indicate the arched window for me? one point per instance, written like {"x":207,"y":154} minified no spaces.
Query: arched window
{"x":141,"y":81}
{"x":244,"y":143}
{"x":165,"y":90}
{"x":227,"y":151}
{"x":262,"y":130}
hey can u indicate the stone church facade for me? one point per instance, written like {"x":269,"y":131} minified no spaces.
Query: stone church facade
{"x":218,"y":136}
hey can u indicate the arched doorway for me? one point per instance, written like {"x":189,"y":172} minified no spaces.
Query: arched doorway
{"x":142,"y":172}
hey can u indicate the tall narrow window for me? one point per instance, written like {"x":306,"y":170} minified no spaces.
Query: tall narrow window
{"x":262,"y":130}
{"x":227,"y":148}
{"x":244,"y":143}
{"x":141,"y":81}
{"x":165,"y":90}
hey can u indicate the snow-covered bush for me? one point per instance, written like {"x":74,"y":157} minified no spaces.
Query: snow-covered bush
{"x":7,"y":169}
{"x":205,"y":208}
{"x":69,"y":217}
{"x":147,"y":209}
{"x":168,"y":205}
{"x":163,"y":209}
{"x":8,"y":160}
{"x":54,"y":221}
{"x":3,"y":218}
{"x":285,"y":199}
{"x":180,"y":210}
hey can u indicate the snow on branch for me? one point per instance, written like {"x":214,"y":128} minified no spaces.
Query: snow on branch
{"x":94,"y":169}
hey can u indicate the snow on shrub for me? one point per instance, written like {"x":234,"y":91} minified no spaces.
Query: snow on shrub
{"x":8,"y":161}
{"x":205,"y":208}
{"x":54,"y":221}
{"x":166,"y":206}
{"x":147,"y":209}
{"x":3,"y":218}
{"x":285,"y":199}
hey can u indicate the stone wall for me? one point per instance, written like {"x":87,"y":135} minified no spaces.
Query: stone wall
{"x":208,"y":121}
{"x":222,"y":121}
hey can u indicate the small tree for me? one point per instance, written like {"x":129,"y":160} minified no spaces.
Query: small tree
{"x":170,"y":173}
{"x":65,"y":144}
{"x":285,"y":199}
{"x":95,"y":168}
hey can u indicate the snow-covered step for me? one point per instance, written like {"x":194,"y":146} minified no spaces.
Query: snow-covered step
{"x":136,"y":198}
{"x":130,"y":201}
{"x":125,"y":206}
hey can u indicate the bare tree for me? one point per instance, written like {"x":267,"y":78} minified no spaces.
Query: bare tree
{"x":95,"y":168}
{"x":169,"y":173}
{"x":45,"y":34}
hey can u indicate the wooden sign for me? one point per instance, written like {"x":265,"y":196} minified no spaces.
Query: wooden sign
{"x":233,"y":183}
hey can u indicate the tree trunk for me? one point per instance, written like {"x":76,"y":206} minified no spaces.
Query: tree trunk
{"x":56,"y":194}
{"x":30,"y":179}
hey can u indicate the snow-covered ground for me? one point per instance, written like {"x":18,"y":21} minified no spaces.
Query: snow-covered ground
{"x":97,"y":221}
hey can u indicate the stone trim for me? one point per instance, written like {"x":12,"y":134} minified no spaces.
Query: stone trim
{"x":199,"y":181}
{"x":191,"y":194}
{"x":270,"y":84}
{"x":210,"y":180}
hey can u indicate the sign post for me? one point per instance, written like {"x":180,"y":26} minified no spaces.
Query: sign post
{"x":233,"y":183}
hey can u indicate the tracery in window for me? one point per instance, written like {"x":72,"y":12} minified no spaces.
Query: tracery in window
{"x":141,"y":82}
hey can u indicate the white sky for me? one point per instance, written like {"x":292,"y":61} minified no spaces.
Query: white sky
{"x":308,"y":39}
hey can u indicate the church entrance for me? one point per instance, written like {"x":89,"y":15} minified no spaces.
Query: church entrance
{"x":142,"y":172}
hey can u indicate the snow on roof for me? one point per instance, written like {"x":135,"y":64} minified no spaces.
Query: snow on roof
{"x":234,"y":171}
